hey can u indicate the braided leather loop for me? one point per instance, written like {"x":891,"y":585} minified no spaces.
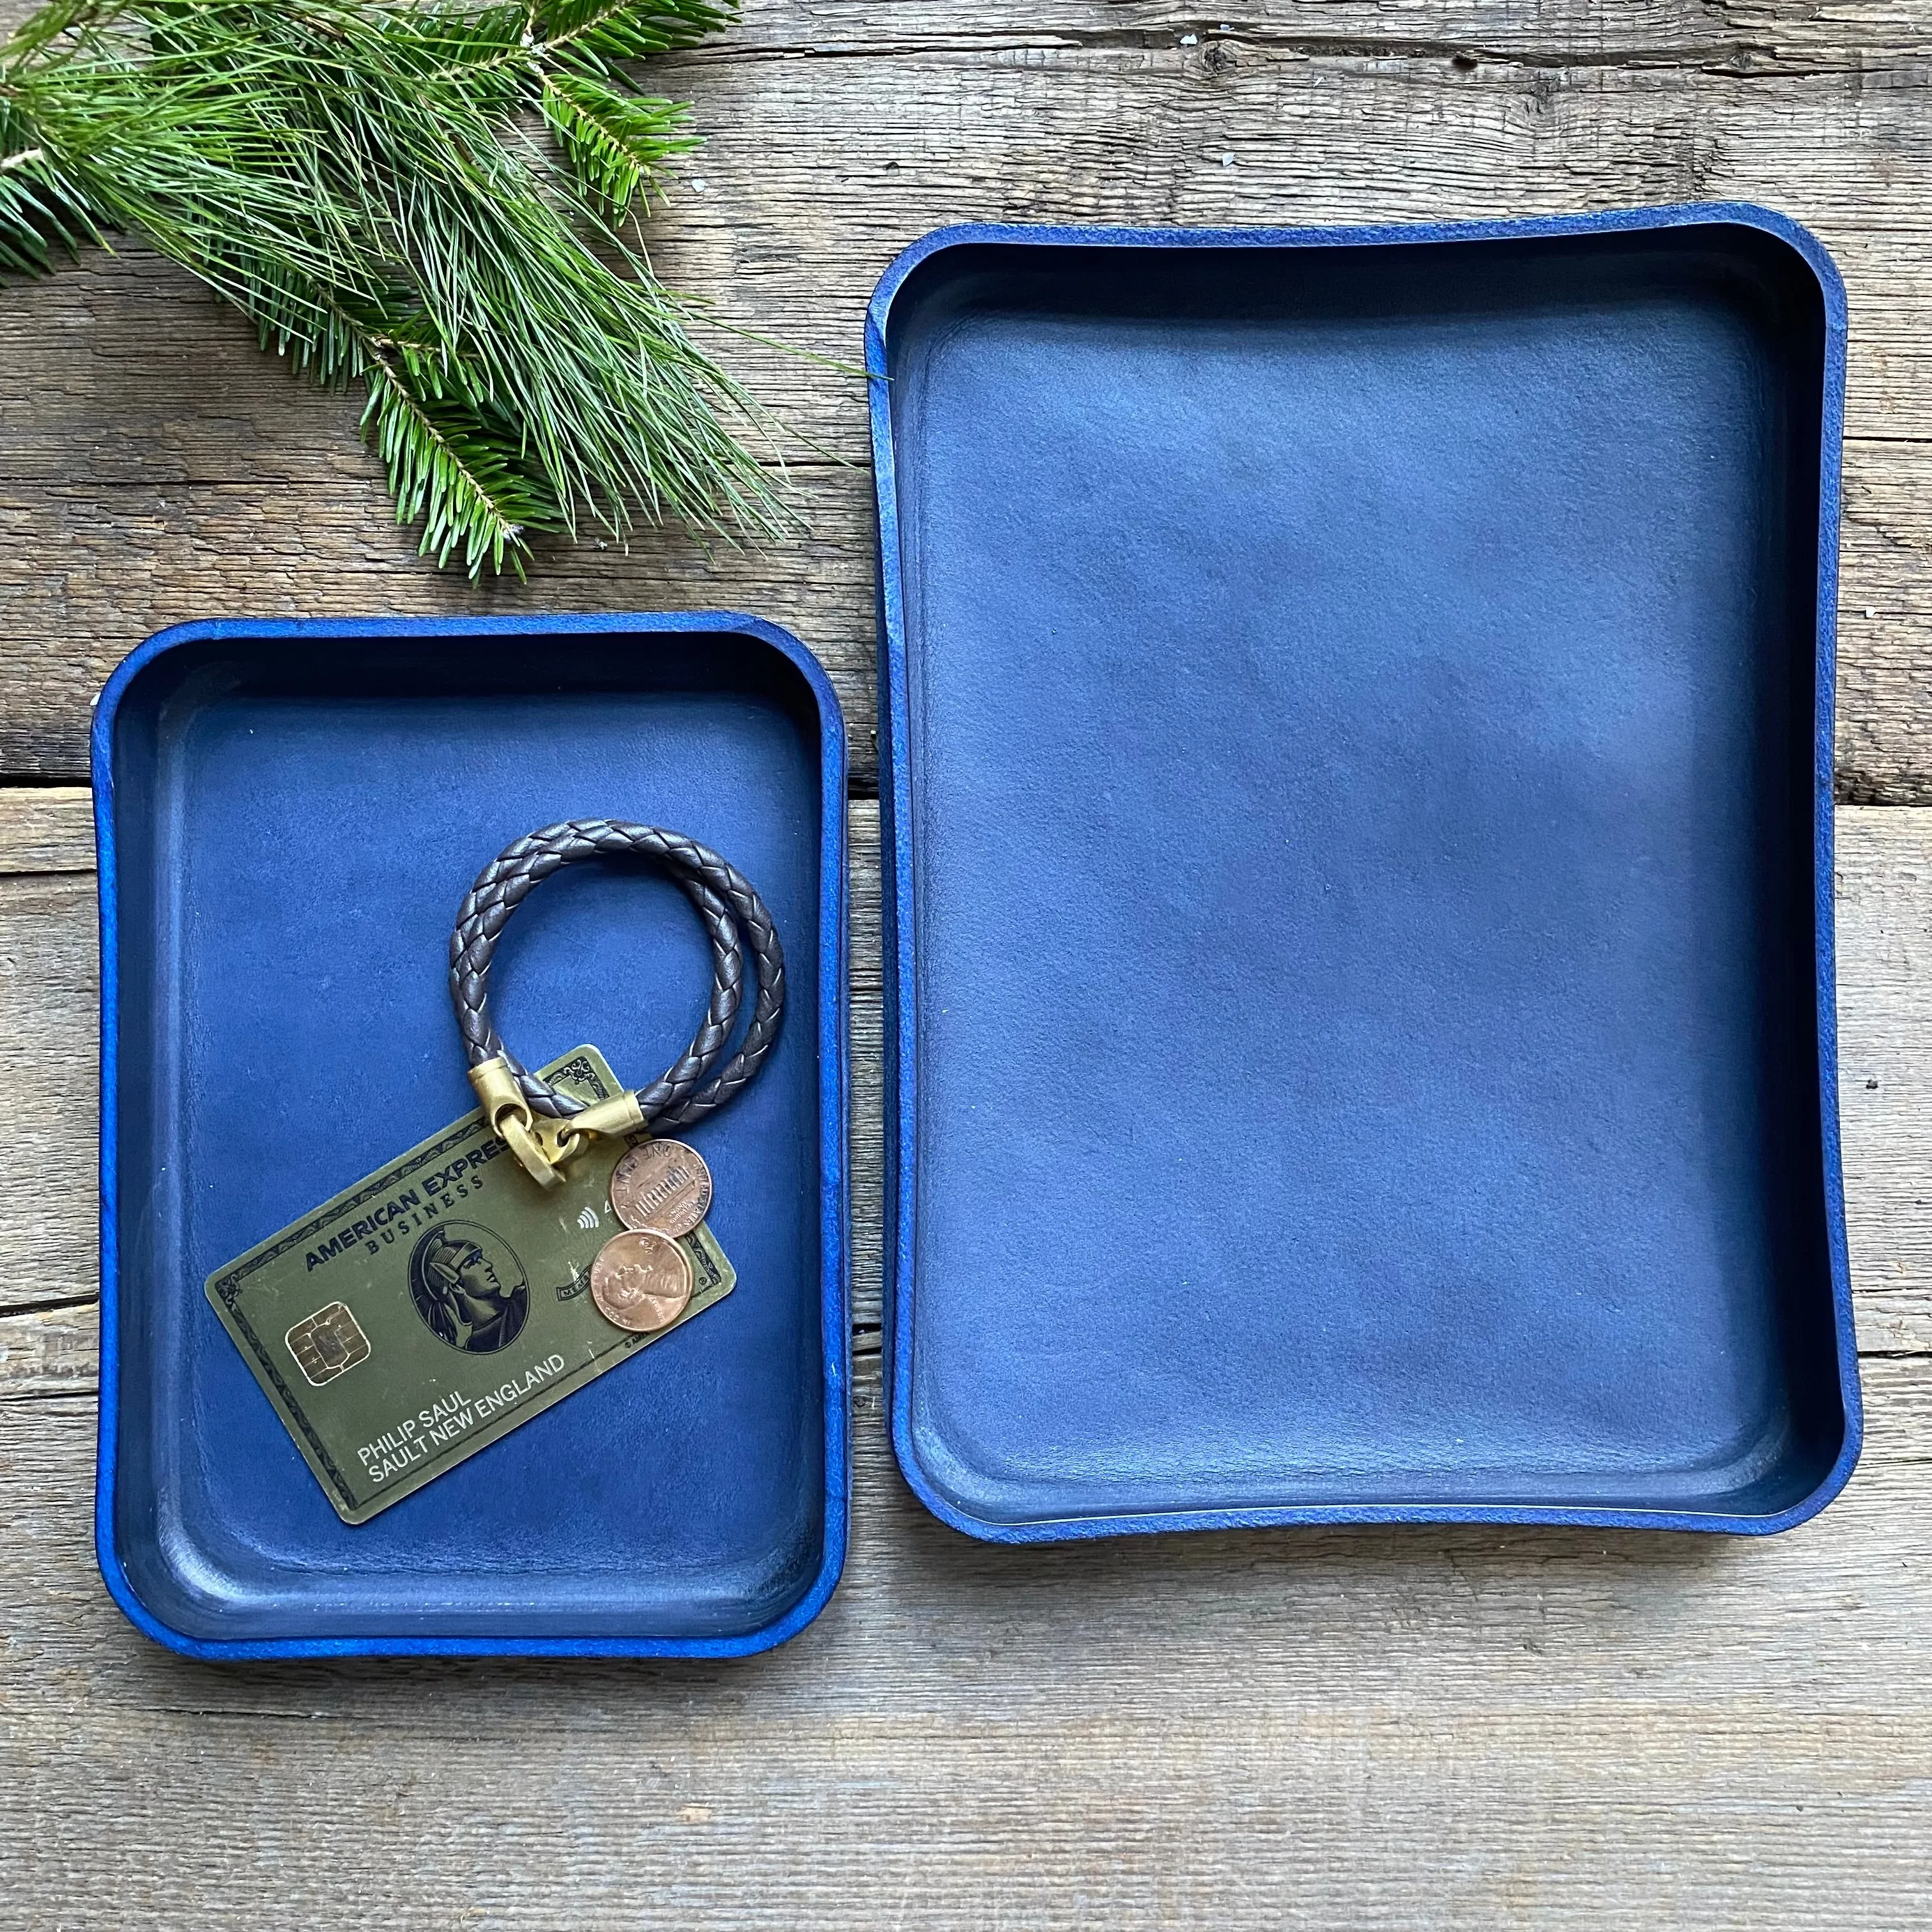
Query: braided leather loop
{"x":725,"y":902}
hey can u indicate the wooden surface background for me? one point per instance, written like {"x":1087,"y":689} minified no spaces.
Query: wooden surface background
{"x":1469,"y":1728}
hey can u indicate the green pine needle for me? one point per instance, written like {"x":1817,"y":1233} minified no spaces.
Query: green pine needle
{"x":39,"y":212}
{"x":431,"y":200}
{"x":619,"y":144}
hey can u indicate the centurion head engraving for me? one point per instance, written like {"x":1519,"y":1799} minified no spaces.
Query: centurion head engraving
{"x":469,"y":1287}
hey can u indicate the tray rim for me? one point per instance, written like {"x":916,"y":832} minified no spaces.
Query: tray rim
{"x":834,"y":1095}
{"x":895,"y":806}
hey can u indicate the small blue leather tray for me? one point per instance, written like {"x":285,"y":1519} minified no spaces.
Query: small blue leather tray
{"x":1356,"y":720}
{"x":289,"y":815}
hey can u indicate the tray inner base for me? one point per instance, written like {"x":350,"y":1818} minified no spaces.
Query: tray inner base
{"x":1361,"y":707}
{"x":298,"y":822}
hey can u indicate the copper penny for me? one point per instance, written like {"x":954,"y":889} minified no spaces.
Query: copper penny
{"x":641,"y":1281}
{"x":662,"y":1187}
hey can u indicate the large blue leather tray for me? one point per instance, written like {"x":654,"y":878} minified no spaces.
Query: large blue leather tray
{"x":289,"y":814}
{"x":1357,"y":713}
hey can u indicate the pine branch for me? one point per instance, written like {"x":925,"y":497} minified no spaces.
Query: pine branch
{"x":40,"y":210}
{"x":359,"y":179}
{"x":620,"y":145}
{"x":449,"y":471}
{"x":614,"y":30}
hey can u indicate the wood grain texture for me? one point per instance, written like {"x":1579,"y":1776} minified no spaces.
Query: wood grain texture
{"x":1461,"y":1729}
{"x":1884,"y":894}
{"x":97,"y":568}
{"x":49,"y":997}
{"x":50,"y":1352}
{"x":1745,"y":35}
{"x":49,"y":830}
{"x":1737,"y":35}
{"x":1728,"y":37}
{"x":154,"y":466}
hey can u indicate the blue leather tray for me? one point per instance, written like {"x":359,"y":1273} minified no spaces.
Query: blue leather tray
{"x":1356,"y":722}
{"x":289,"y":814}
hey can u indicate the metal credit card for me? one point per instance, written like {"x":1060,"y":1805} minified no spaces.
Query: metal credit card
{"x":439,"y":1303}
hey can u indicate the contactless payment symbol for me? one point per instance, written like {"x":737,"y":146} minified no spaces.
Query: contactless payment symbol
{"x":327,"y":1343}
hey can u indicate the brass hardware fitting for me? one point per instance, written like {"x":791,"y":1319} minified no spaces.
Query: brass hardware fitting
{"x":507,"y":1115}
{"x":620,"y":1115}
{"x":541,"y":1144}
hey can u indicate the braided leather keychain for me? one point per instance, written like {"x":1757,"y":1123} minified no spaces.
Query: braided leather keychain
{"x":661,"y":1190}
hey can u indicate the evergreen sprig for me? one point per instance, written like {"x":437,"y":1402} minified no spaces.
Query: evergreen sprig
{"x":437,"y":201}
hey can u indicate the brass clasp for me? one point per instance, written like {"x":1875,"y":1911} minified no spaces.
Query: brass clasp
{"x":541,"y":1144}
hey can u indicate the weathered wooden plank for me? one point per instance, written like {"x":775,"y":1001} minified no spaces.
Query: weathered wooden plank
{"x":1740,"y":35}
{"x":1884,"y":890}
{"x":49,"y":1085}
{"x":50,"y":1352}
{"x":47,"y":830}
{"x":1462,"y":1729}
{"x":97,"y":569}
{"x":47,"y":1045}
{"x":1884,"y":722}
{"x":121,"y":386}
{"x":1264,"y":136}
{"x":49,"y":1039}
{"x":1751,"y":35}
